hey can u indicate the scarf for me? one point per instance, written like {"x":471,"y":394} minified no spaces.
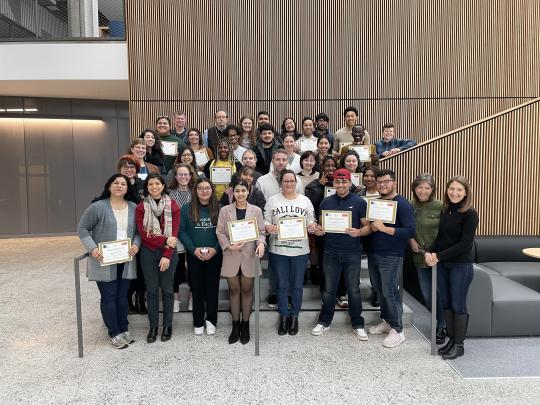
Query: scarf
{"x":152,"y":211}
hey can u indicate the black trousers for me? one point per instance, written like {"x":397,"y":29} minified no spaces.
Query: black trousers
{"x":204,"y":277}
{"x":137,"y":285}
{"x":180,"y":275}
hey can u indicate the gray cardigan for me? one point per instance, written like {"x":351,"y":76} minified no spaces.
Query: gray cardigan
{"x":98,"y":224}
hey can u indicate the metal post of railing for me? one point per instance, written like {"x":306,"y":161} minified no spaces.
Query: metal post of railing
{"x":434,"y":309}
{"x":257,"y":305}
{"x":78,"y":301}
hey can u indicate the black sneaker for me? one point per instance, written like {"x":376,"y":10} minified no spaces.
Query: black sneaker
{"x":272,"y":301}
{"x":440,"y":336}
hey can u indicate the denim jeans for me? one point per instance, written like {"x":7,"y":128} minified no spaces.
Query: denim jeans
{"x":348,"y":265}
{"x":453,"y":281}
{"x":290,"y":272}
{"x":424,"y":279}
{"x":113,"y":303}
{"x":385,"y":272}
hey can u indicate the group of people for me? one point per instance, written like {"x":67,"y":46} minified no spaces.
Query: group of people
{"x":178,"y":190}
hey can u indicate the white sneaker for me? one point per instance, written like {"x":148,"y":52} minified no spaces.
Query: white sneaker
{"x":380,"y":328}
{"x":319,"y":329}
{"x":210,"y":328}
{"x":176,"y":307}
{"x":361,"y":334}
{"x":118,"y":342}
{"x":127,"y":337}
{"x":198,"y":331}
{"x":393,"y":339}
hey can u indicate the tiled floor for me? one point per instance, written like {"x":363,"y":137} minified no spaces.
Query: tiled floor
{"x":39,"y":363}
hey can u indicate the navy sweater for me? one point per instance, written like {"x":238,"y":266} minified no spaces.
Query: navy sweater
{"x":341,"y":242}
{"x":382,"y":244}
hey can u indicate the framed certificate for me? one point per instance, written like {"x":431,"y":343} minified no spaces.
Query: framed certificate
{"x":336,"y":221}
{"x":220,"y":175}
{"x":356,"y":179}
{"x":292,"y":228}
{"x":383,"y":210}
{"x":308,"y":144}
{"x":169,"y":148}
{"x":328,"y":191}
{"x":201,"y":157}
{"x":243,"y":231}
{"x":116,"y":251}
{"x":363,"y":152}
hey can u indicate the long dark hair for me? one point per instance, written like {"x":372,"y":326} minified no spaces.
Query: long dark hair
{"x":195,"y":205}
{"x":106,"y":193}
{"x":157,"y":145}
{"x":193,"y":164}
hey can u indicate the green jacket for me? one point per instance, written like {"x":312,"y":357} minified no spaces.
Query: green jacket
{"x":427,"y":216}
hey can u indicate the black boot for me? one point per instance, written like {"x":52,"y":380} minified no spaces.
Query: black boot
{"x":140,"y":304}
{"x":235,"y":333}
{"x":449,"y":319}
{"x":244,"y":332}
{"x":132,"y":309}
{"x":374,"y":298}
{"x":284,"y":322}
{"x":440,"y":336}
{"x":152,"y":335}
{"x":460,"y":331}
{"x":166,"y":333}
{"x":293,"y":326}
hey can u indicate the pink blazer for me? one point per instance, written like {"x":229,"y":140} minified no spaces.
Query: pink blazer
{"x":245,"y":258}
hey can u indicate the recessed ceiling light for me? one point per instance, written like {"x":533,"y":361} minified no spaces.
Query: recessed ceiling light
{"x":30,"y":109}
{"x":14,"y":110}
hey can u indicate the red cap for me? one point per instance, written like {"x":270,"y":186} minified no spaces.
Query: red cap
{"x":342,"y":174}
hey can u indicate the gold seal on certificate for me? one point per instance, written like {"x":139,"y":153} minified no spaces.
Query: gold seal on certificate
{"x":308,"y":144}
{"x":220,"y":175}
{"x":328,"y":191}
{"x":356,"y":179}
{"x":201,"y":157}
{"x":336,"y":221}
{"x":363,"y":152}
{"x":169,"y":148}
{"x":383,"y":210}
{"x":243,"y":231}
{"x":116,"y":251}
{"x":293,"y":228}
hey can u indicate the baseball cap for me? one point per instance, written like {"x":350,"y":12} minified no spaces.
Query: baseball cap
{"x":342,"y":174}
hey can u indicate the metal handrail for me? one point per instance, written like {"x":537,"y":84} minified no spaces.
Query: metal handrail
{"x":78,"y":300}
{"x":434,"y":310}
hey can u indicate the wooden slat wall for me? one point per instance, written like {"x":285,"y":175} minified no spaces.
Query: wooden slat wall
{"x":500,"y":159}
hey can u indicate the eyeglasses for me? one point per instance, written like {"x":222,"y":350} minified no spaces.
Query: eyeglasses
{"x":384,"y":182}
{"x":128,"y":166}
{"x":204,"y":189}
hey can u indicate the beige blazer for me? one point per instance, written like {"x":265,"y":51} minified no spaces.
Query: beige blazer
{"x":245,"y":258}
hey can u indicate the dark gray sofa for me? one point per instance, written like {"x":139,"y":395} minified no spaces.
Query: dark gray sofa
{"x":504,"y":297}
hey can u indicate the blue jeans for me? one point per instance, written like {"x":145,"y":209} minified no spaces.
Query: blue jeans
{"x":348,"y":265}
{"x":453,"y":283}
{"x":113,"y":303}
{"x":290,"y":272}
{"x":385,"y":272}
{"x":424,"y":279}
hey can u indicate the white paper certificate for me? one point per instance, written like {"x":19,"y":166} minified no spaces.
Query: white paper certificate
{"x":356,"y":179}
{"x":328,"y":191}
{"x":116,"y":251}
{"x":336,"y":221}
{"x":308,"y":144}
{"x":363,"y":152}
{"x":243,"y":231}
{"x":169,"y":148}
{"x":220,"y":175}
{"x":292,"y":228}
{"x":201,"y":157}
{"x":384,"y":210}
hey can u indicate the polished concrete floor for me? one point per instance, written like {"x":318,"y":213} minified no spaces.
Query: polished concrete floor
{"x":39,"y":363}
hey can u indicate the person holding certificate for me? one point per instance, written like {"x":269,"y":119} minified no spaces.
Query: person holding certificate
{"x":289,"y":217}
{"x":241,"y":234}
{"x":308,"y":141}
{"x":158,"y":221}
{"x":201,"y":153}
{"x":171,"y":144}
{"x":343,"y":222}
{"x":111,"y":218}
{"x":138,"y":150}
{"x":451,"y":251}
{"x":221,"y":170}
{"x":366,"y":152}
{"x":389,"y":240}
{"x":198,"y":235}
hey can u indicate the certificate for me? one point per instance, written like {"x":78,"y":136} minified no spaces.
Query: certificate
{"x":336,"y":221}
{"x":363,"y":152}
{"x":116,"y":251}
{"x":220,"y":175}
{"x":308,"y":144}
{"x":243,"y":231}
{"x":169,"y":148}
{"x":292,"y":228}
{"x":328,"y":191}
{"x":201,"y":157}
{"x":384,"y":210}
{"x":356,"y":179}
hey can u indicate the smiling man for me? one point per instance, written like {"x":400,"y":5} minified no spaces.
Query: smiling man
{"x":345,"y":134}
{"x":389,"y":145}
